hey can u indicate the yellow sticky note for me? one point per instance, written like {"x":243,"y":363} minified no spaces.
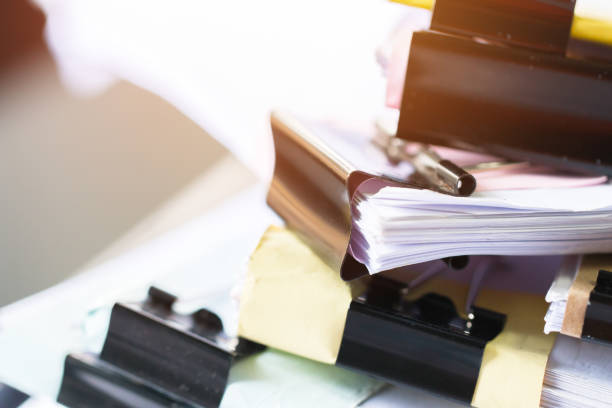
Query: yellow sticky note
{"x":514,"y":363}
{"x":292,"y":300}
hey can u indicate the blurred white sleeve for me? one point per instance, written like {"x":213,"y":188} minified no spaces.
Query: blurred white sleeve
{"x":227,"y":64}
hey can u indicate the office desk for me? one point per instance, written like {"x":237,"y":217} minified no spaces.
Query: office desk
{"x":195,"y":247}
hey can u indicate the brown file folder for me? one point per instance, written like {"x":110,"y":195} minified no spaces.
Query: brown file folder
{"x":314,"y":182}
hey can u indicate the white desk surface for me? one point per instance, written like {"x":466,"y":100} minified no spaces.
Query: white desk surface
{"x":198,"y":257}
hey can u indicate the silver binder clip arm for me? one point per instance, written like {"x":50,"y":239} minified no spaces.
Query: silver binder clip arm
{"x":442,"y":174}
{"x":475,"y":284}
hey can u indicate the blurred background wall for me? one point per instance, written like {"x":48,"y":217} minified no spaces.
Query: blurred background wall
{"x":76,"y":174}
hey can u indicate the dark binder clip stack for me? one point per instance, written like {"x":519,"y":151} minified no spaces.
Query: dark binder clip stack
{"x":11,"y":397}
{"x":153,"y":356}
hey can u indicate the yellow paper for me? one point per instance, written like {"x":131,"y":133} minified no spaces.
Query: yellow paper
{"x":583,"y":27}
{"x":513,"y":364}
{"x":292,"y":300}
{"x":426,"y":4}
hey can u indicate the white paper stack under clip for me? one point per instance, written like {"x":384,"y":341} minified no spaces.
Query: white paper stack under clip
{"x":399,"y":226}
{"x":558,"y":293}
{"x":578,"y":374}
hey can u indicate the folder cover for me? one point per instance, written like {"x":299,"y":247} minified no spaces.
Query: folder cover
{"x":313,"y":186}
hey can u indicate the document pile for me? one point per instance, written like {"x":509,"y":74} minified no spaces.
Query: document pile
{"x":389,"y":265}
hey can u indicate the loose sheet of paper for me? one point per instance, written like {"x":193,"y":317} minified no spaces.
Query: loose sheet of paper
{"x":277,"y":379}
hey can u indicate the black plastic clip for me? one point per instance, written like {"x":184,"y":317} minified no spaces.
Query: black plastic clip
{"x":598,"y":317}
{"x":11,"y":397}
{"x":185,"y":357}
{"x":422,"y":343}
{"x":87,"y":378}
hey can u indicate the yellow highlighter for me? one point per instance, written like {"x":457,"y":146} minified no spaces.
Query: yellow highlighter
{"x":583,"y":27}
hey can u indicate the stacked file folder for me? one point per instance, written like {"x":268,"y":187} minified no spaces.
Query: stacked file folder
{"x":382,"y":268}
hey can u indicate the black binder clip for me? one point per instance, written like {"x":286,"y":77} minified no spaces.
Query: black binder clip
{"x":87,"y":378}
{"x":422,"y":343}
{"x":153,"y":354}
{"x":598,"y":317}
{"x":11,"y":397}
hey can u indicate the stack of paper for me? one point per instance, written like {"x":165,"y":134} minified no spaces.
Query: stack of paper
{"x":399,"y":226}
{"x":578,"y":374}
{"x":558,"y":293}
{"x":570,"y":294}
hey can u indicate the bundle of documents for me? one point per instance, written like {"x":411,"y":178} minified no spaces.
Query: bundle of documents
{"x":294,"y":298}
{"x":388,"y":267}
{"x":401,"y":226}
{"x":453,"y":264}
{"x":479,"y":273}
